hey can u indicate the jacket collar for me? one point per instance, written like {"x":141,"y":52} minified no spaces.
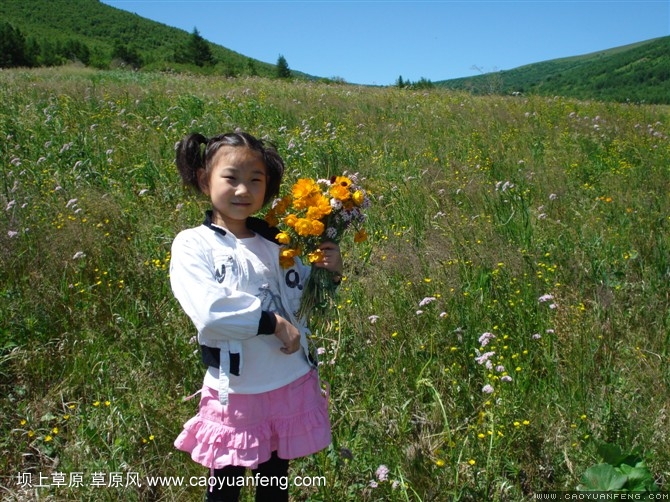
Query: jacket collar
{"x":257,"y":225}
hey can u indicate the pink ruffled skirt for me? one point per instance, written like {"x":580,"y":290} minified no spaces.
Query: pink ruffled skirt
{"x":292,"y":420}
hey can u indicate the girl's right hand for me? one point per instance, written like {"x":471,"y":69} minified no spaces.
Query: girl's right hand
{"x":288,"y":335}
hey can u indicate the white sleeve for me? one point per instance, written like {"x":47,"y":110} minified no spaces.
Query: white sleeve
{"x":218,"y":312}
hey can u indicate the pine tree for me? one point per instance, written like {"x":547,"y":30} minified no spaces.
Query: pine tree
{"x":196,"y":51}
{"x":12,"y":47}
{"x":283,"y":71}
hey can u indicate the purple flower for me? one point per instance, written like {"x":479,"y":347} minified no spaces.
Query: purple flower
{"x":382,"y":473}
{"x":545,"y":298}
{"x":487,"y":389}
{"x":484,"y":357}
{"x":506,"y":378}
{"x":537,"y":336}
{"x":486,"y":338}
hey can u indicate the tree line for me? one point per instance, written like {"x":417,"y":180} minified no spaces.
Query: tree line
{"x":18,"y":50}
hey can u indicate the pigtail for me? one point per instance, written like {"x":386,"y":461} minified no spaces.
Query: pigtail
{"x":190,"y":158}
{"x":275,"y":167}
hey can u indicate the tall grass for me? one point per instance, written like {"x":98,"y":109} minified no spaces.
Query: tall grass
{"x":509,"y":312}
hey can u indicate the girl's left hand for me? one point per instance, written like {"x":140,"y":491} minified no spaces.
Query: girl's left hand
{"x":332,"y":258}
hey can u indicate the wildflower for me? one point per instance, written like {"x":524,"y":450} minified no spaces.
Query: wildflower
{"x":472,"y":461}
{"x":143,"y":191}
{"x":553,"y":196}
{"x":11,"y":234}
{"x":373,"y":484}
{"x":360,"y":236}
{"x":484,"y":357}
{"x":536,"y":336}
{"x":382,"y":473}
{"x":506,"y":378}
{"x":320,"y":351}
{"x":426,"y":301}
{"x":487,"y":389}
{"x":373,"y":319}
{"x":485,"y":338}
{"x":443,"y":315}
{"x":78,"y":255}
{"x":545,"y":298}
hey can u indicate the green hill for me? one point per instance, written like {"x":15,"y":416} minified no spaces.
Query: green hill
{"x":637,"y":73}
{"x":53,"y":25}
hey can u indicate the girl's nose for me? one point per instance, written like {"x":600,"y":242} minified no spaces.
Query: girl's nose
{"x":242,"y":189}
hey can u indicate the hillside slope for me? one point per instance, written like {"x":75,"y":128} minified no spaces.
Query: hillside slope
{"x":637,"y":73}
{"x":101,"y":26}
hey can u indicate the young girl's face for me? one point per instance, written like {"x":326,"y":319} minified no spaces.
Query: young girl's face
{"x":236,"y":185}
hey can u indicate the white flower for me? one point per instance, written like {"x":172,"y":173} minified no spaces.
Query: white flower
{"x":426,"y":301}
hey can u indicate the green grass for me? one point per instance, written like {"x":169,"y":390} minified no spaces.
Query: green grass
{"x":481,"y":204}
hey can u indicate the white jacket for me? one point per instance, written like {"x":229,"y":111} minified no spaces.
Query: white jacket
{"x":208,"y":275}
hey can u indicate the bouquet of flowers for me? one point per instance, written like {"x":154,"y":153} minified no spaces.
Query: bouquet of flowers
{"x":313,"y":212}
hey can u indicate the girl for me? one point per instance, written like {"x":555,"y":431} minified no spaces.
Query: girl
{"x":261,"y":401}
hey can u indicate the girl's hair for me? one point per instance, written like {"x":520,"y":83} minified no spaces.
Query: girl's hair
{"x":195,"y":152}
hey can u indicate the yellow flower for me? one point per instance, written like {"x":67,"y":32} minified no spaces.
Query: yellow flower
{"x":286,"y":257}
{"x":358,"y":197}
{"x":440,"y":463}
{"x":290,"y":220}
{"x":315,"y":256}
{"x":472,"y":461}
{"x":283,"y":238}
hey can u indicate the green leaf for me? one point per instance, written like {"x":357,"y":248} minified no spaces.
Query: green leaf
{"x":640,"y":479}
{"x":603,"y":478}
{"x":613,"y":455}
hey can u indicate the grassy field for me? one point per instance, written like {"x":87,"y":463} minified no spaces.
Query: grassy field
{"x":508,"y":314}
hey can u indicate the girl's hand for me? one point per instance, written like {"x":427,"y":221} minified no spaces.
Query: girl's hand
{"x":332,"y":258}
{"x":288,"y":335}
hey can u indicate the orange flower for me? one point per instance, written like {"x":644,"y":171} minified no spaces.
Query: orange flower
{"x":303,"y":191}
{"x":360,"y":236}
{"x":291,"y":220}
{"x":318,"y":208}
{"x":339,"y":192}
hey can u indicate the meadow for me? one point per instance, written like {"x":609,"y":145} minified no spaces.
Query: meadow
{"x":506,"y":318}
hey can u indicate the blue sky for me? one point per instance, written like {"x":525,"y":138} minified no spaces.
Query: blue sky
{"x":375,"y":41}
